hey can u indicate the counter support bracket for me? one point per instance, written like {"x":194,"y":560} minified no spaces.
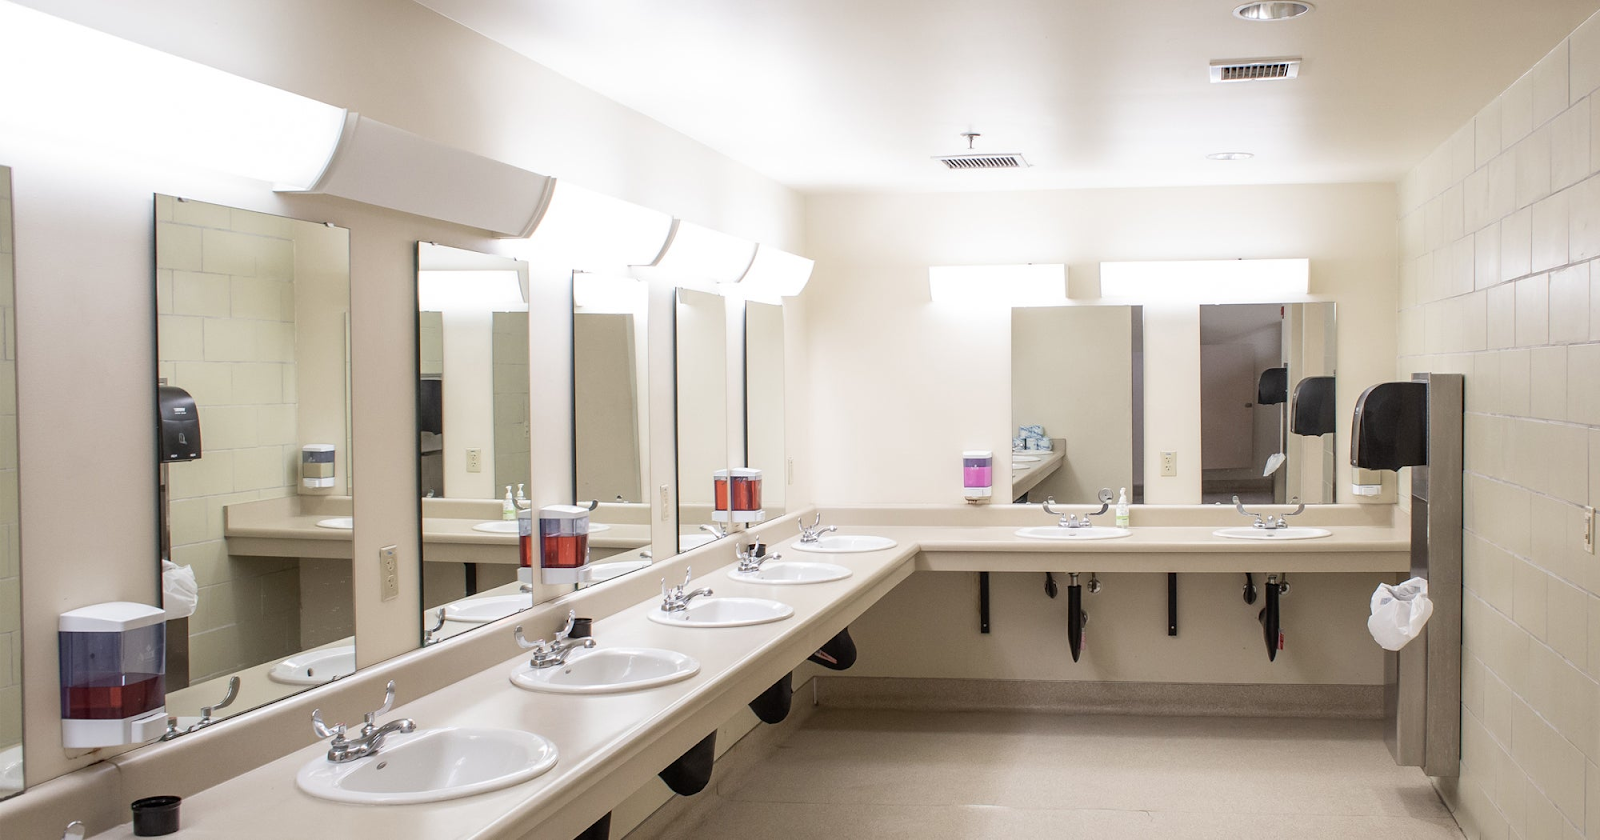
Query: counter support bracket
{"x":983,"y":602}
{"x":1172,"y":603}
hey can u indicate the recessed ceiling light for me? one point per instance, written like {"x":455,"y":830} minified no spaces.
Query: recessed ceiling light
{"x":1271,"y":11}
{"x":1230,"y":156}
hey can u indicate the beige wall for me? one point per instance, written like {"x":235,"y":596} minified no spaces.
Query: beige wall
{"x":511,"y":433}
{"x":608,"y":391}
{"x":10,"y":538}
{"x":764,"y":401}
{"x":1499,"y":228}
{"x":85,"y":310}
{"x":703,"y":396}
{"x":1072,"y":372}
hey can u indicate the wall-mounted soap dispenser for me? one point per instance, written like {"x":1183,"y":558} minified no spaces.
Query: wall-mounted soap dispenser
{"x":316,"y":465}
{"x":1418,"y":424}
{"x":737,"y":493}
{"x":563,"y":543}
{"x":1314,"y":413}
{"x":179,"y":422}
{"x":977,"y":474}
{"x":113,"y":675}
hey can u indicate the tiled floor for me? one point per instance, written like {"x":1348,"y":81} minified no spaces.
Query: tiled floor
{"x":934,"y":775}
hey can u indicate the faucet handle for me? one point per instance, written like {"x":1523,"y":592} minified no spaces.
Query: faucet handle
{"x":565,"y":631}
{"x":1299,"y":510}
{"x":75,"y":831}
{"x":227,"y":699}
{"x":522,"y":641}
{"x":371,"y":718}
{"x":322,"y":729}
{"x":1050,"y":500}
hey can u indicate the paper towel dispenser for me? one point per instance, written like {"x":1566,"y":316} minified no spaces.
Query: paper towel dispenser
{"x":1390,"y":428}
{"x":179,"y":422}
{"x":1314,"y":412}
{"x":1273,"y":388}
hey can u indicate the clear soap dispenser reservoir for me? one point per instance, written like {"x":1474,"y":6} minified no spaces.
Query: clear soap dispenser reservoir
{"x":113,"y":675}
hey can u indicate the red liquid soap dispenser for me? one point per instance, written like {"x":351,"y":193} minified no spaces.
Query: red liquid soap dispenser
{"x":563,"y":543}
{"x":738,"y":495}
{"x":113,"y":675}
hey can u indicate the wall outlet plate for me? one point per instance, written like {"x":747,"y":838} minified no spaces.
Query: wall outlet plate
{"x":1169,"y":464}
{"x":474,"y":460}
{"x":389,"y":572}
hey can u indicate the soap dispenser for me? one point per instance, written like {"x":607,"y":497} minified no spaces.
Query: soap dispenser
{"x":508,"y":508}
{"x":1122,"y":508}
{"x":977,"y":474}
{"x":113,"y":675}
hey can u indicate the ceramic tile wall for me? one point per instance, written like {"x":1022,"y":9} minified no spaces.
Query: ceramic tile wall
{"x":10,"y":547}
{"x":1499,"y":231}
{"x":225,"y":302}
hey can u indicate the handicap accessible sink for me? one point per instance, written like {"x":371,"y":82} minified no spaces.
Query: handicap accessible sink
{"x":845,"y":544}
{"x":607,"y":670}
{"x":1056,"y":532}
{"x":488,"y":608}
{"x":789,"y":572}
{"x":1293,"y":533}
{"x":431,"y":765}
{"x":315,"y":667}
{"x":724,"y":612}
{"x":339,"y":523}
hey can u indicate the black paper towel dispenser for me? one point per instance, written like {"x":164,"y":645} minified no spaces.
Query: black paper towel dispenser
{"x":179,"y":422}
{"x":1314,"y":412}
{"x":1273,"y":388}
{"x":1390,"y":428}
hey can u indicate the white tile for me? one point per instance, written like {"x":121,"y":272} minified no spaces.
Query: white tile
{"x":1516,"y":242}
{"x":1550,"y":232}
{"x":1516,"y":111}
{"x":1486,"y":131}
{"x":1583,"y":218}
{"x":1569,"y":147}
{"x":1584,"y":57}
{"x":1583,"y":371}
{"x":1568,"y":624}
{"x":1547,"y":392}
{"x":1533,"y":167}
{"x":1486,"y":257}
{"x":1502,"y":315}
{"x":1550,"y":85}
{"x":1533,"y":319}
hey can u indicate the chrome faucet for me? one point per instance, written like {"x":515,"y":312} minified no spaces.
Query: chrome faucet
{"x":205,"y":713}
{"x":1069,"y":520}
{"x":438,"y":624}
{"x":812,"y":534}
{"x":554,"y":652}
{"x":675,"y":599}
{"x":1265,"y":521}
{"x":372,"y":735}
{"x":715,"y":529}
{"x":753,"y":555}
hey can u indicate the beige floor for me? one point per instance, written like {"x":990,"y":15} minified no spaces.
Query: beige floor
{"x":932,"y":776}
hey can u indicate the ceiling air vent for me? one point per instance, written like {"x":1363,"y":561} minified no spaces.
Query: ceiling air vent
{"x":1255,"y":70}
{"x":978,"y":161}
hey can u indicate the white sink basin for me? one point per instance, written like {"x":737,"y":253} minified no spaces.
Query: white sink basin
{"x":499,"y":526}
{"x":315,"y":667}
{"x":688,"y":541}
{"x":431,"y":765}
{"x":606,"y":570}
{"x":1056,"y":532}
{"x":842,"y":544}
{"x":724,"y":612}
{"x":1271,"y":534}
{"x":607,"y":671}
{"x":787,"y":572}
{"x":1021,"y":467}
{"x":11,"y":769}
{"x":1024,"y":459}
{"x":342,"y":523}
{"x":488,"y":608}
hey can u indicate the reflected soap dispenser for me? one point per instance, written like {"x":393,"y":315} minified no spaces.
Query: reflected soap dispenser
{"x":508,"y":508}
{"x":113,"y":675}
{"x":977,"y":474}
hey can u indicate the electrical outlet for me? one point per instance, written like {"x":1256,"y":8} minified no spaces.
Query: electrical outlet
{"x":1169,"y":464}
{"x":1588,"y":529}
{"x":389,"y":572}
{"x":474,"y":460}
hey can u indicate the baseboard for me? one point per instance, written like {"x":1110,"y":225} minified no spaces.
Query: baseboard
{"x":1103,"y":698}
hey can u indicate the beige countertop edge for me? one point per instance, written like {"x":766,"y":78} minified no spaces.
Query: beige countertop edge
{"x":253,"y":804}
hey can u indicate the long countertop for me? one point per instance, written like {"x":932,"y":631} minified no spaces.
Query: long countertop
{"x":611,"y":743}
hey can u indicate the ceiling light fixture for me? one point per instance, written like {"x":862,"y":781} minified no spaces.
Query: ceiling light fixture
{"x":1267,"y":12}
{"x":1230,"y":155}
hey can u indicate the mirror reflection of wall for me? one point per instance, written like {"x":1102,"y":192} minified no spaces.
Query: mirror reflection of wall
{"x":1254,"y":358}
{"x":611,"y":419}
{"x":10,"y":527}
{"x":1076,"y":403}
{"x":702,"y":395}
{"x":253,"y":320}
{"x":764,"y":404}
{"x":474,"y":451}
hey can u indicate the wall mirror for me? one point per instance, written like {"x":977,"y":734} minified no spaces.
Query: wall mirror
{"x":1077,"y":403}
{"x":701,"y":382}
{"x":764,"y":442}
{"x":1267,"y":411}
{"x":611,"y":419}
{"x":473,"y":455}
{"x":255,"y":497}
{"x":10,"y":527}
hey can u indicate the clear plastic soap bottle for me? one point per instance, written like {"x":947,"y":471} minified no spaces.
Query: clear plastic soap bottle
{"x":508,"y":508}
{"x":1122,"y":508}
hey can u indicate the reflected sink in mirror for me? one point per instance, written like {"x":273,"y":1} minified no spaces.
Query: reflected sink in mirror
{"x":688,"y":541}
{"x":431,"y":765}
{"x":790,"y":572}
{"x":845,"y":544}
{"x":1056,"y":532}
{"x":724,"y":612}
{"x":341,"y":523}
{"x":607,"y":671}
{"x":1025,"y":459}
{"x":498,"y":526}
{"x":597,"y":572}
{"x":10,"y":770}
{"x":315,"y":667}
{"x":1292,"y":533}
{"x":489,"y":608}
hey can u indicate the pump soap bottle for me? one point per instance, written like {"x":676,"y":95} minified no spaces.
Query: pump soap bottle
{"x":508,"y":508}
{"x":1122,"y":508}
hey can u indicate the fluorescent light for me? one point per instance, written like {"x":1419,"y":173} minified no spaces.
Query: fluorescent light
{"x":492,"y":290}
{"x":1206,"y":281}
{"x":74,"y":83}
{"x":999,"y":285}
{"x":774,"y":274}
{"x":700,"y":253}
{"x":599,"y":293}
{"x":587,"y":231}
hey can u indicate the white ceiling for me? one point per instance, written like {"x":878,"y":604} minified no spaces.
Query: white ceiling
{"x":857,"y":95}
